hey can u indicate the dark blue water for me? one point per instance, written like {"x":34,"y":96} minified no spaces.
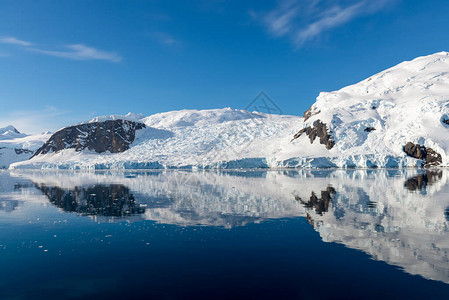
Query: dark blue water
{"x":240,"y":235}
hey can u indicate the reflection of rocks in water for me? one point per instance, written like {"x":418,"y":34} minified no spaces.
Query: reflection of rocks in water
{"x":321,"y":205}
{"x":9,"y":205}
{"x":421,"y":181}
{"x":409,"y":230}
{"x":367,"y":210}
{"x":103,"y":200}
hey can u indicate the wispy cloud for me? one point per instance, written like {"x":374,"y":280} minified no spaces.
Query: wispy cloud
{"x":14,"y":41}
{"x":81,"y":52}
{"x":304,"y":21}
{"x":73,"y":51}
{"x":165,"y":38}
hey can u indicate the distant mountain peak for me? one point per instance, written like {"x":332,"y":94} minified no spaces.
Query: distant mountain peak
{"x":9,"y":129}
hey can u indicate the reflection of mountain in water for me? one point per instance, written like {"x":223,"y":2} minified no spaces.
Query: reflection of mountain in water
{"x":114,"y":200}
{"x":408,"y":230}
{"x":9,"y":205}
{"x":397,"y":216}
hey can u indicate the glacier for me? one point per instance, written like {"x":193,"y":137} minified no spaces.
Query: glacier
{"x":16,"y":146}
{"x":365,"y":125}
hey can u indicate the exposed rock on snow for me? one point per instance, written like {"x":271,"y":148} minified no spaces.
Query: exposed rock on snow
{"x":187,"y":139}
{"x":320,"y":130}
{"x":406,"y":103}
{"x":111,"y":135}
{"x":365,"y":125}
{"x":310,"y":112}
{"x":16,"y":146}
{"x":427,"y":155}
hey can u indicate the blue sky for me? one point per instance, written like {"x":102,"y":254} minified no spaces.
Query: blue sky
{"x":66,"y":61}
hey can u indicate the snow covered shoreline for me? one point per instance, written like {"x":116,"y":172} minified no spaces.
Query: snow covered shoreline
{"x":398,"y":118}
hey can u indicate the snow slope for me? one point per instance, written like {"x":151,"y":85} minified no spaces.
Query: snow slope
{"x":217,"y":138}
{"x":16,"y":146}
{"x":366,"y":125}
{"x":10,"y":132}
{"x":406,"y":103}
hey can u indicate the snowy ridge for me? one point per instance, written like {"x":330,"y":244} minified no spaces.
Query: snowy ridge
{"x":217,"y":138}
{"x":374,"y":119}
{"x":16,"y":146}
{"x":10,"y":132}
{"x":365,"y":125}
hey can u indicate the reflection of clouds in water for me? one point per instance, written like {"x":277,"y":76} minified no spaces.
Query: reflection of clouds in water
{"x":397,"y":216}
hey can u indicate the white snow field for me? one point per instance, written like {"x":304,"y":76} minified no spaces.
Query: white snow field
{"x":16,"y":146}
{"x":406,"y":103}
{"x":217,"y":138}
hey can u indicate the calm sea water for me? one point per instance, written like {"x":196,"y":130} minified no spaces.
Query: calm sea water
{"x":333,"y":234}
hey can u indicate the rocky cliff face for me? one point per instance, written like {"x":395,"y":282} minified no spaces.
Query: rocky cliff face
{"x":429,"y":156}
{"x":319,"y":129}
{"x":112,"y":135}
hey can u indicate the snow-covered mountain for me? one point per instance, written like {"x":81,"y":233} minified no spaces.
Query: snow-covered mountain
{"x":16,"y":146}
{"x":217,"y":138}
{"x":396,"y":118}
{"x":10,"y":132}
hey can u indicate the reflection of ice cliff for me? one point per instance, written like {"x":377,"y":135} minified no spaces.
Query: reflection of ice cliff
{"x":186,"y":198}
{"x":397,"y":216}
{"x":401,"y":223}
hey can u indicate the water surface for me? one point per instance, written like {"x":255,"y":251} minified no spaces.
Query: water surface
{"x":324,"y":234}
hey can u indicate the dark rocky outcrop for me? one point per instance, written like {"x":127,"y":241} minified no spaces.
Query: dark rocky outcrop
{"x":369,"y":129}
{"x":319,"y":129}
{"x":113,"y":135}
{"x":22,"y":151}
{"x":310,"y":112}
{"x":19,"y":150}
{"x":429,"y":156}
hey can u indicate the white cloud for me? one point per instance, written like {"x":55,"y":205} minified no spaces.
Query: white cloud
{"x":14,"y":41}
{"x":165,"y":38}
{"x":74,"y":51}
{"x":303,"y":21}
{"x":81,"y":52}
